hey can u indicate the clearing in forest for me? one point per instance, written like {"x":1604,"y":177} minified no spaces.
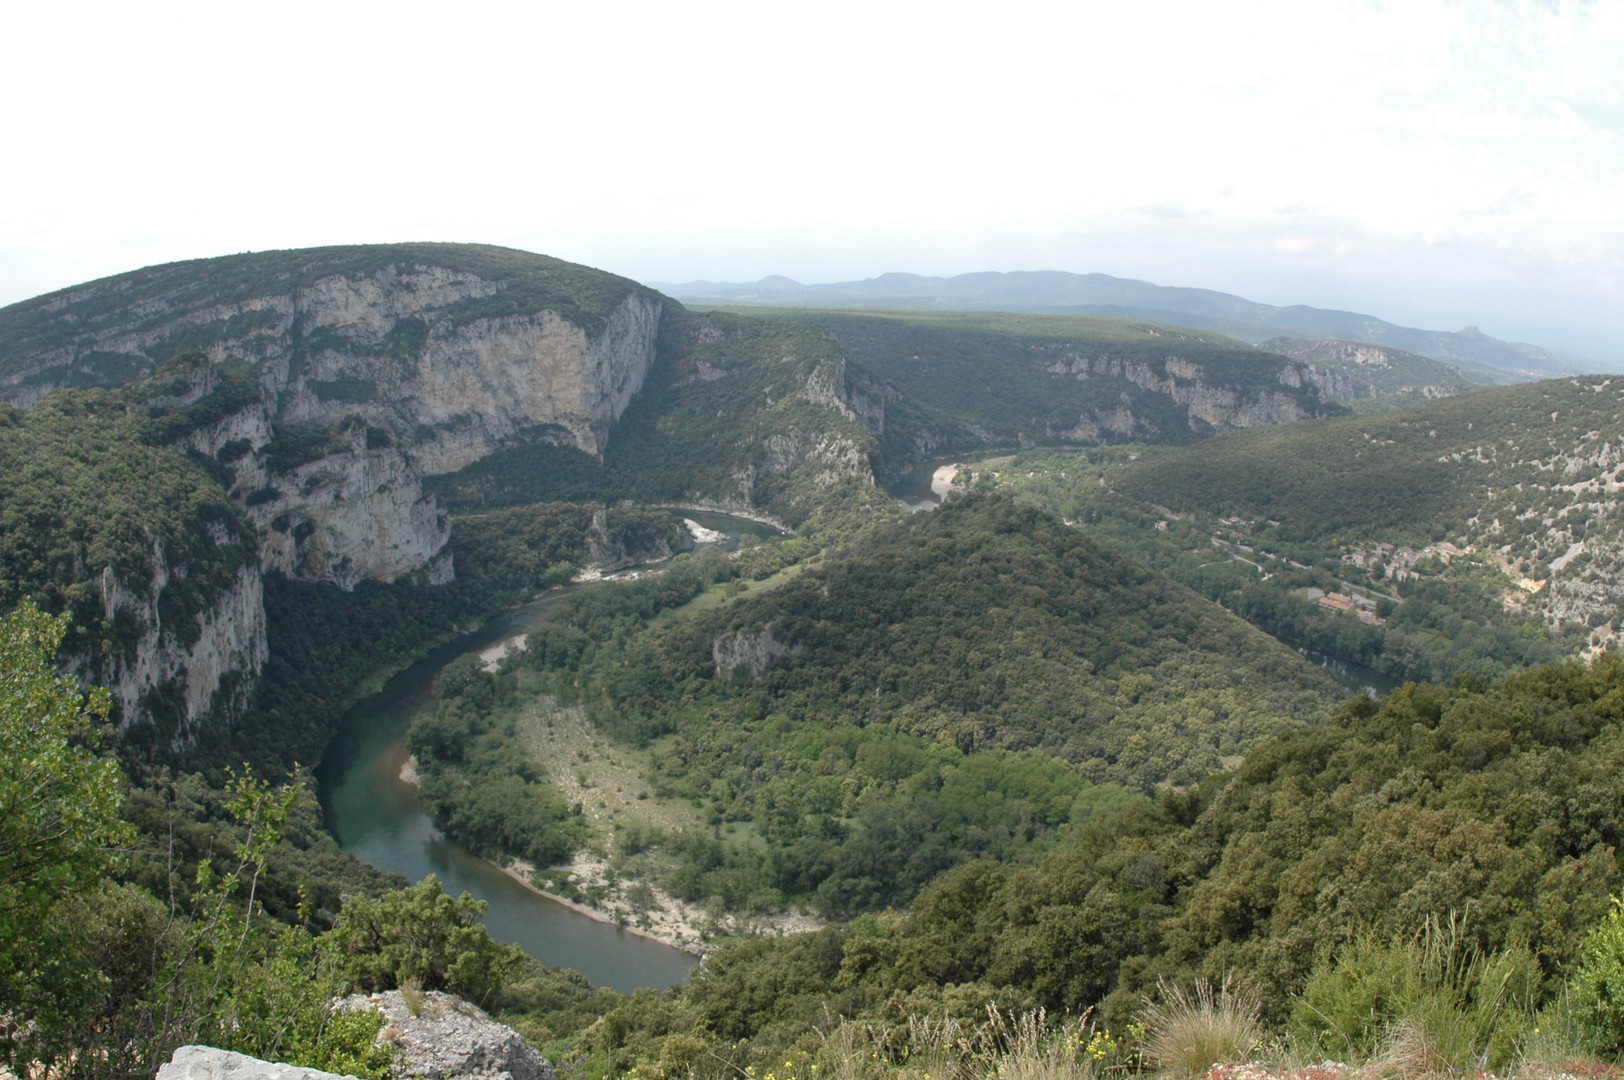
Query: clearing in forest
{"x":608,"y":779}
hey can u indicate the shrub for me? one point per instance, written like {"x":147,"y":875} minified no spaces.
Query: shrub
{"x":1598,"y":984}
{"x":1188,"y":1032}
{"x":1418,"y":1005}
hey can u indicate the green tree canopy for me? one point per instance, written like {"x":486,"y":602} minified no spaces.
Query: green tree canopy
{"x":59,"y":801}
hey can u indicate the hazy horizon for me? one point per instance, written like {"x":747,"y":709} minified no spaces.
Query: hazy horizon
{"x":1436,"y":164}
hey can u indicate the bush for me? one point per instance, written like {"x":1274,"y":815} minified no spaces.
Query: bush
{"x":1598,"y":985}
{"x":1419,"y":1005}
{"x":421,"y":937}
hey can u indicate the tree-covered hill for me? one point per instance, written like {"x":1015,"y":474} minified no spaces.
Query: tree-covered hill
{"x":1527,"y":476}
{"x":1306,"y":876}
{"x":1374,"y":378}
{"x":110,"y":331}
{"x":1547,"y":447}
{"x":974,"y":682}
{"x":1022,"y":379}
{"x":986,"y":626}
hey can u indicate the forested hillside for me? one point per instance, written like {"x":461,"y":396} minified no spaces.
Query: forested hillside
{"x":1302,"y":876}
{"x":1014,"y":751}
{"x":958,"y":686}
{"x":1527,"y":477}
{"x":1372,"y":378}
{"x":1020,"y":379}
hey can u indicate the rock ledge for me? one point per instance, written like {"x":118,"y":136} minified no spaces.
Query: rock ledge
{"x":207,"y":1063}
{"x":447,"y":1037}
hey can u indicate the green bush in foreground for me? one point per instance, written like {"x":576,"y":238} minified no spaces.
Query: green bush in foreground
{"x":1598,"y":985}
{"x":1434,"y":993}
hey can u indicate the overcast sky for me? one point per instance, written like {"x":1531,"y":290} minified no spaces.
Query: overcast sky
{"x":1435,"y":164}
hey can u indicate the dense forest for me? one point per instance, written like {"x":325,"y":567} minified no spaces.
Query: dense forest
{"x":1437,"y":617}
{"x":1443,"y":857}
{"x":1306,"y":875}
{"x":972,"y":683}
{"x":1018,"y":379}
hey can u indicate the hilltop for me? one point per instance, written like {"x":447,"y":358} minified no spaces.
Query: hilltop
{"x":1058,"y":292}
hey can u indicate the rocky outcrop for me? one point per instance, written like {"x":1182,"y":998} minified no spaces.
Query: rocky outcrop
{"x":207,"y":1063}
{"x":203,"y":666}
{"x":610,"y":549}
{"x":440,"y":1036}
{"x":1209,"y":405}
{"x":350,"y":516}
{"x":412,"y":360}
{"x":752,"y":649}
{"x":1355,"y":371}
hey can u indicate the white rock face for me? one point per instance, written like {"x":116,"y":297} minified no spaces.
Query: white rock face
{"x":352,"y":516}
{"x":752,"y":649}
{"x":481,"y":384}
{"x":1207,"y":405}
{"x":387,"y":348}
{"x":215,"y":672}
{"x":207,"y":1063}
{"x":410,"y":369}
{"x":446,"y":1038}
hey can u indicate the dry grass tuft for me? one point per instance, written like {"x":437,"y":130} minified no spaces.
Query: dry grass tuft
{"x":411,"y":992}
{"x":1188,"y":1032}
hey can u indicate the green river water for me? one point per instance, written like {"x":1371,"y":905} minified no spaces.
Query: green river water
{"x":377,"y":818}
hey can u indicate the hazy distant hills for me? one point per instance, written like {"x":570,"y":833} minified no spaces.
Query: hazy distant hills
{"x":1059,"y":292}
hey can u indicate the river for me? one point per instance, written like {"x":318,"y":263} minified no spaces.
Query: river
{"x":377,"y":817}
{"x":1349,"y":675}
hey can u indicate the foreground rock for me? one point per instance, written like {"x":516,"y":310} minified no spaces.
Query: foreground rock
{"x":446,"y":1037}
{"x":207,"y":1063}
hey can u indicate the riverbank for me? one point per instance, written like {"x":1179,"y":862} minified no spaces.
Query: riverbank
{"x":609,"y":782}
{"x":662,"y":917}
{"x":729,"y":511}
{"x":666,"y":920}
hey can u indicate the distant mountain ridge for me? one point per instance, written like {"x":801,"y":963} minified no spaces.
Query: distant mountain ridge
{"x":1060,"y":292}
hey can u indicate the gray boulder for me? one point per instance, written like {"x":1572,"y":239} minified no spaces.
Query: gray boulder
{"x":207,"y":1063}
{"x":442,"y":1036}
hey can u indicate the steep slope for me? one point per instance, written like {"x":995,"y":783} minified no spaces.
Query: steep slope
{"x":738,"y":414}
{"x":158,"y":567}
{"x":1526,"y":476}
{"x":316,"y":390}
{"x":1372,"y":378}
{"x":1025,"y":379}
{"x":374,"y":366}
{"x":1102,"y":294}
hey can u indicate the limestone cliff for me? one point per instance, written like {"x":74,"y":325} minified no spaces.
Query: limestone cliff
{"x":1356,"y":372}
{"x":375,"y":367}
{"x":319,"y":388}
{"x":1207,"y":404}
{"x":180,"y":673}
{"x":749,"y":649}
